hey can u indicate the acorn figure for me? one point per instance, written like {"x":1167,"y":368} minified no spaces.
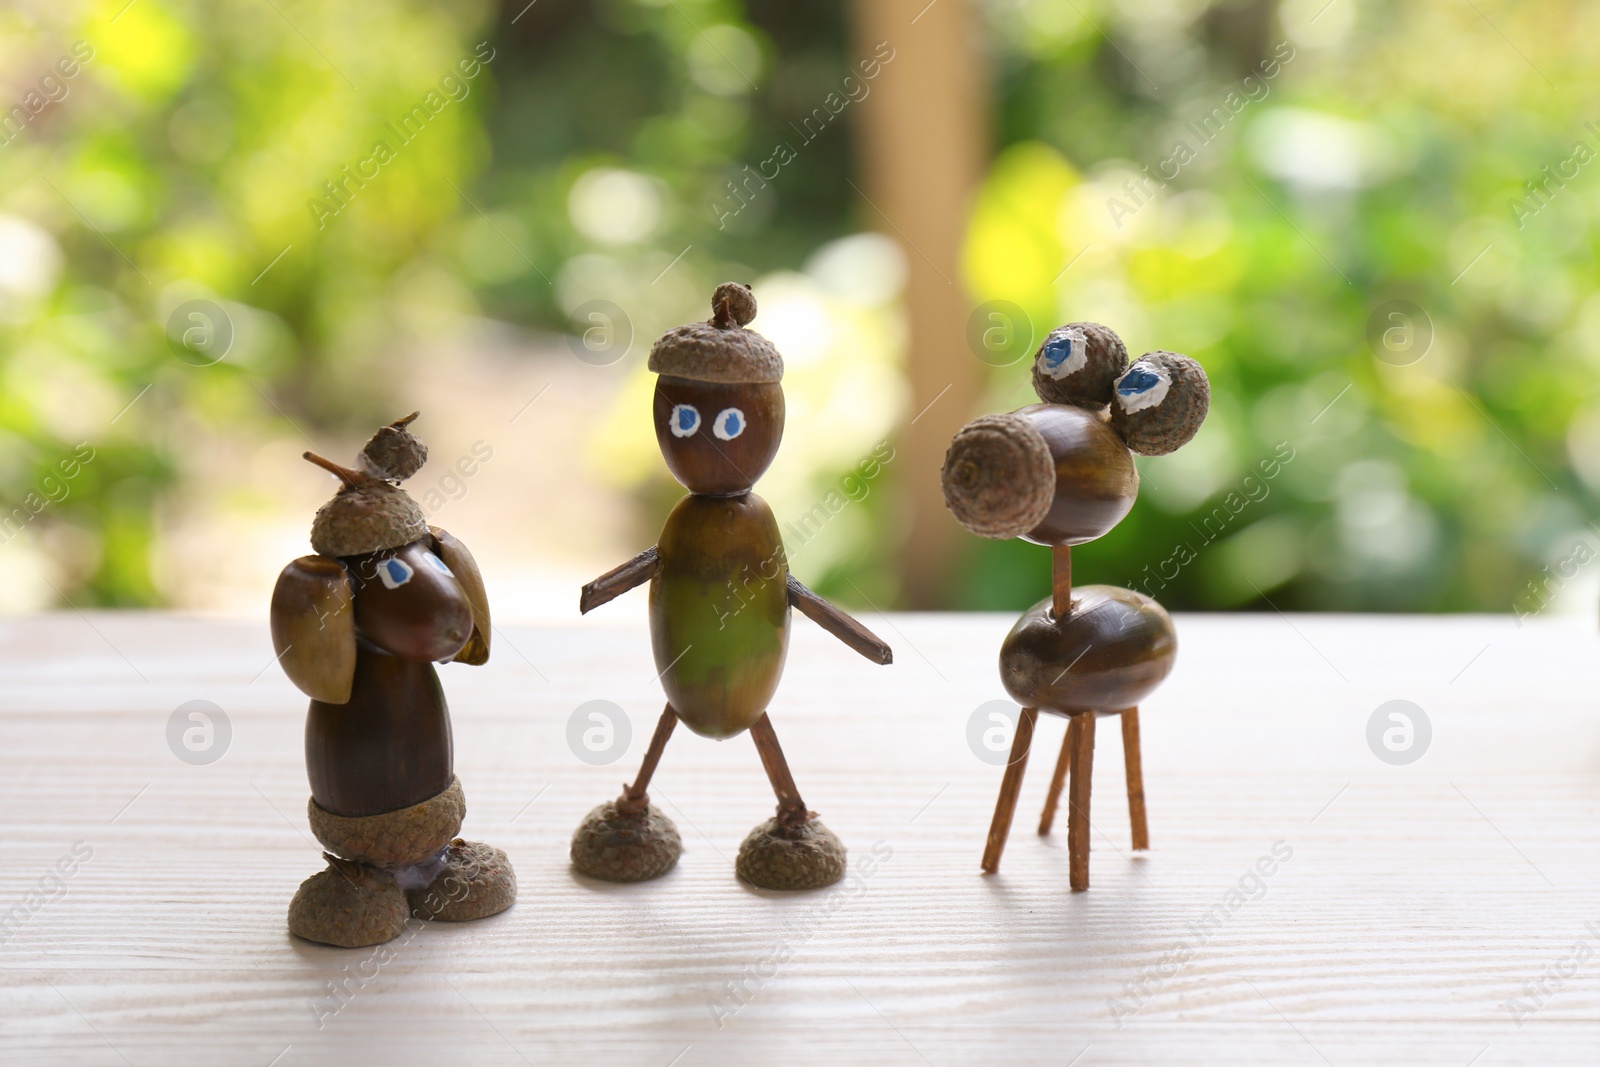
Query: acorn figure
{"x":358,"y":628}
{"x":720,"y":594}
{"x":1060,"y":473}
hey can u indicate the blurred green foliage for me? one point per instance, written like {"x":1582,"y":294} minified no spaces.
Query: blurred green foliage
{"x":1314,"y":163}
{"x":1383,"y":160}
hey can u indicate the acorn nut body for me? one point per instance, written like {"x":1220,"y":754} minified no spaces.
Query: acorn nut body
{"x":719,"y":612}
{"x":1116,"y":645}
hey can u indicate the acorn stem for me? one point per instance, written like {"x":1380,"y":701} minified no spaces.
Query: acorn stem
{"x":401,"y":424}
{"x":349,"y":477}
{"x":1060,"y":581}
{"x":636,"y":797}
{"x":792,"y":811}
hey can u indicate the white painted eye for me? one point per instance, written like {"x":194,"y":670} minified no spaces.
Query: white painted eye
{"x":1144,"y":385}
{"x":1064,"y":352}
{"x":684,"y":420}
{"x":729,"y":424}
{"x":394,"y":572}
{"x":439,"y":565}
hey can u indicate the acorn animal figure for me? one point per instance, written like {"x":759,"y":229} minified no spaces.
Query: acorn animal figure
{"x":720,"y":594}
{"x":1060,"y":473}
{"x":358,"y":628}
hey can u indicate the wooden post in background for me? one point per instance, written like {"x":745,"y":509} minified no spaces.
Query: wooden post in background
{"x":924,"y":147}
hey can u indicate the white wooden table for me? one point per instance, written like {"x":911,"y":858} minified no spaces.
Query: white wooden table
{"x":1418,"y":903}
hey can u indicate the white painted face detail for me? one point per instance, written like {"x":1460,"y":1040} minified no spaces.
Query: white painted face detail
{"x":728,"y":424}
{"x":1144,"y":385}
{"x":684,"y":420}
{"x":1063,"y":353}
{"x":439,"y":565}
{"x":394,"y":572}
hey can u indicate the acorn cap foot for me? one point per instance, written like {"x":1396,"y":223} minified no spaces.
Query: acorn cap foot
{"x":808,"y":858}
{"x":618,"y":847}
{"x":477,"y":881}
{"x":348,"y":905}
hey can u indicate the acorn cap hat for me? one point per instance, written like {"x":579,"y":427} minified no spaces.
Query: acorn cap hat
{"x":719,"y":349}
{"x":371,"y":513}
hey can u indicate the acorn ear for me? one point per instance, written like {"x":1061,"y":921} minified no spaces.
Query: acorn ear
{"x":465,"y":568}
{"x":314,"y":628}
{"x":1158,"y":404}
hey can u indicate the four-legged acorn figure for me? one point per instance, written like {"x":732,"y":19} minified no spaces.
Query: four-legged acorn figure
{"x":720,"y":599}
{"x":1060,"y":473}
{"x":358,"y":628}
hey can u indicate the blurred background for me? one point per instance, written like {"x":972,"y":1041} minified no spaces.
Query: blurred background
{"x":233,"y":230}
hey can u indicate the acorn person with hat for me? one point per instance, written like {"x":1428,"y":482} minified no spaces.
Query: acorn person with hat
{"x":357,"y":628}
{"x":720,"y":600}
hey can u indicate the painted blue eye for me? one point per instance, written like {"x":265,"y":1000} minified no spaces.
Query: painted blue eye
{"x":1137,"y":380}
{"x":729,"y":424}
{"x":394,"y":572}
{"x":439,"y":565}
{"x":1063,"y":353}
{"x":684,"y":420}
{"x":1144,"y":386}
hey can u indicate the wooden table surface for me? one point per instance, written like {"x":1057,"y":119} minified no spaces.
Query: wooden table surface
{"x":1442,"y":912}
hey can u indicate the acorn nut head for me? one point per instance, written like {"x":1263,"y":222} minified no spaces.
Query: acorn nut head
{"x":719,"y":349}
{"x":1160,"y":402}
{"x":1078,"y":364}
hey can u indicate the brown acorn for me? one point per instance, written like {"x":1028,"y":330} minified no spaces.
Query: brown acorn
{"x":1078,"y":364}
{"x":1160,"y":403}
{"x":718,"y":437}
{"x":1119,"y":642}
{"x":1052,"y":473}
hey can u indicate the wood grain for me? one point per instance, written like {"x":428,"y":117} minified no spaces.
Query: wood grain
{"x":1414,"y":903}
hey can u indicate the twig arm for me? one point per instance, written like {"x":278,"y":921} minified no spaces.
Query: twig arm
{"x":619,"y":580}
{"x":838,"y":623}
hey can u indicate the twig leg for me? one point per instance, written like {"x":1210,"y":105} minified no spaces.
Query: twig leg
{"x":792,"y":813}
{"x":1080,"y":729}
{"x":635,"y":798}
{"x":1133,"y":761}
{"x":1006,"y":806}
{"x":1047,"y":818}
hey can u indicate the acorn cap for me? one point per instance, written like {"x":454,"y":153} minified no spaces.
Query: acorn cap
{"x":395,"y":453}
{"x":808,"y":857}
{"x":1078,"y":364}
{"x":720,"y":349}
{"x":999,"y":478}
{"x":625,"y":846}
{"x":369,"y":514}
{"x":348,"y":905}
{"x":477,"y":881}
{"x":1160,"y":403}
